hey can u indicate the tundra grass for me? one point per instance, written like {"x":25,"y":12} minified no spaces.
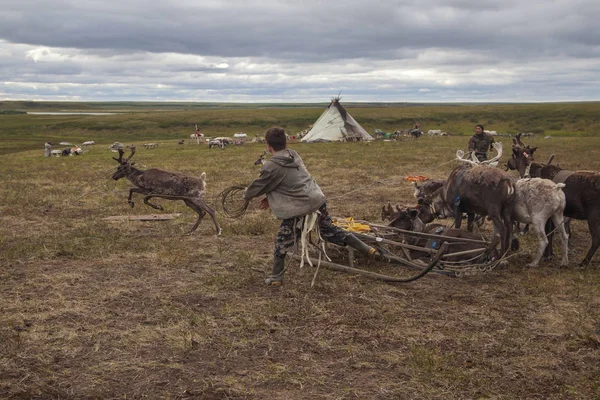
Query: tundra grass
{"x":99,"y":309}
{"x":174,"y":121}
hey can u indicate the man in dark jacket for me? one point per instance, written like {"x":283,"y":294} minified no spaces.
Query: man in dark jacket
{"x":292,"y":193}
{"x":480,"y":143}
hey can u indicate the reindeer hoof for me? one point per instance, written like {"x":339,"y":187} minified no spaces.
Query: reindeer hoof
{"x":219,"y":232}
{"x":131,"y":204}
{"x":531,"y":265}
{"x":160,"y":208}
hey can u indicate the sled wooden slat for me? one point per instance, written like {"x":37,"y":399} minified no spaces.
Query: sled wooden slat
{"x":429,"y":235}
{"x":338,"y":267}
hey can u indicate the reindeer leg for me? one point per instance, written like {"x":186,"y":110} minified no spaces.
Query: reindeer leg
{"x":506,"y":219}
{"x":549,"y":252}
{"x":538,"y":228}
{"x":132,"y":191}
{"x":470,"y":220}
{"x":559,"y":221}
{"x":210,"y":212}
{"x":158,"y":207}
{"x":594,"y":225}
{"x":567,"y":224}
{"x":499,"y":224}
{"x":199,"y":210}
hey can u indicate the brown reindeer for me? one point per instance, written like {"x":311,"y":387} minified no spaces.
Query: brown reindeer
{"x":582,"y":191}
{"x":167,"y":185}
{"x":480,"y":189}
{"x":423,"y":207}
{"x":408,"y":219}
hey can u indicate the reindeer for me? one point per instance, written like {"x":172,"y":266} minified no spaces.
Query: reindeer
{"x":261,"y":160}
{"x":167,"y":185}
{"x":423,"y":208}
{"x":477,"y":188}
{"x":535,"y":202}
{"x":408,"y":219}
{"x":582,"y":192}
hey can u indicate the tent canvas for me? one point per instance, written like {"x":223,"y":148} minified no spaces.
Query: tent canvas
{"x":336,"y":125}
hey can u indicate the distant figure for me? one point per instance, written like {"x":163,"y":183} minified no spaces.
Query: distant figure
{"x":480,"y":143}
{"x":418,"y":126}
{"x":47,"y":149}
{"x":416,"y":131}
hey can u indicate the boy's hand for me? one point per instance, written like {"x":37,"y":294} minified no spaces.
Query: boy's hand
{"x":264,"y":204}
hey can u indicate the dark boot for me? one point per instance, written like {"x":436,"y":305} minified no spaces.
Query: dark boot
{"x":276,"y":277}
{"x":359,"y":245}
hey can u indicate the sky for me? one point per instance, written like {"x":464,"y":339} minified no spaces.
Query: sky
{"x":300,"y":51}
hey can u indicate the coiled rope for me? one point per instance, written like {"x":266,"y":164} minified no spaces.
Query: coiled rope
{"x":231,"y":203}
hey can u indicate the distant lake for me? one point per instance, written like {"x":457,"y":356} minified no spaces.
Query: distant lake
{"x":73,"y":113}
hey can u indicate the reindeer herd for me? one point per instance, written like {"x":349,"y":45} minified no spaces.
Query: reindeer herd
{"x":545,"y":198}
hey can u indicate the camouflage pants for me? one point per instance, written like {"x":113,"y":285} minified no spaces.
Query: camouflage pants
{"x":290,"y":231}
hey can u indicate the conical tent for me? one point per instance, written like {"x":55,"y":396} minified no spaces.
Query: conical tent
{"x":336,"y":125}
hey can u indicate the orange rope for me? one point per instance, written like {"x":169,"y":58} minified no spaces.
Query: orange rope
{"x":416,"y":178}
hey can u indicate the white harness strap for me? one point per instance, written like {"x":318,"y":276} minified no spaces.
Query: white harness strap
{"x":309,"y":225}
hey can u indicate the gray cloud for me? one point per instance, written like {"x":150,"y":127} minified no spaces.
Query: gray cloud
{"x":232,"y":50}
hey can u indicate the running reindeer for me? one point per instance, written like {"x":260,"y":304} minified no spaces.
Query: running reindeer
{"x":167,"y":185}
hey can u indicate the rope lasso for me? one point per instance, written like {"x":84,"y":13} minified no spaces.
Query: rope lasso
{"x":224,"y":202}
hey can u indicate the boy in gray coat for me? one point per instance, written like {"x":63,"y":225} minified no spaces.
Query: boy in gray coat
{"x":292,"y":193}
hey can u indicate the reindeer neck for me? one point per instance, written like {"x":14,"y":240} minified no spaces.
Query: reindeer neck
{"x":550,"y":171}
{"x":535,"y":169}
{"x":134,"y":175}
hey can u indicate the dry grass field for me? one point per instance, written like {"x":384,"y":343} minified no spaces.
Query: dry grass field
{"x":97,"y":309}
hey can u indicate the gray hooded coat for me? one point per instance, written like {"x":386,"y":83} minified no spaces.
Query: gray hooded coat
{"x":290,"y":189}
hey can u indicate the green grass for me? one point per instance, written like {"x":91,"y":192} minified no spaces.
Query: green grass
{"x":171,"y":121}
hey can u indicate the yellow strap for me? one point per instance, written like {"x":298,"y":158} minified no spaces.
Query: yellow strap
{"x":349,"y":225}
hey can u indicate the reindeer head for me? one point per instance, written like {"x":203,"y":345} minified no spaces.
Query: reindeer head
{"x":426,"y":210}
{"x":522,"y":156}
{"x":261,"y":159}
{"x":125,"y":167}
{"x":387,"y":212}
{"x":408,"y":220}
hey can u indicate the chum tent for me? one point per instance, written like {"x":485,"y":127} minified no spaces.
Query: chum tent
{"x":336,"y":125}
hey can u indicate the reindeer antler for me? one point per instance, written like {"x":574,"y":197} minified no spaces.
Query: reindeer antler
{"x":120,"y":159}
{"x":387,"y":213}
{"x":132,"y":147}
{"x":519,"y":139}
{"x":493,"y":162}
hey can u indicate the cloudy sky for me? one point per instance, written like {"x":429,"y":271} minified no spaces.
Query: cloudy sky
{"x":300,"y":51}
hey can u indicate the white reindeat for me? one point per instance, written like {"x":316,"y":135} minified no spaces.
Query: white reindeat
{"x":537,"y":200}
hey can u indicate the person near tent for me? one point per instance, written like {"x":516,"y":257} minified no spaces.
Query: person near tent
{"x":47,"y":149}
{"x":292,"y":193}
{"x":480,"y":143}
